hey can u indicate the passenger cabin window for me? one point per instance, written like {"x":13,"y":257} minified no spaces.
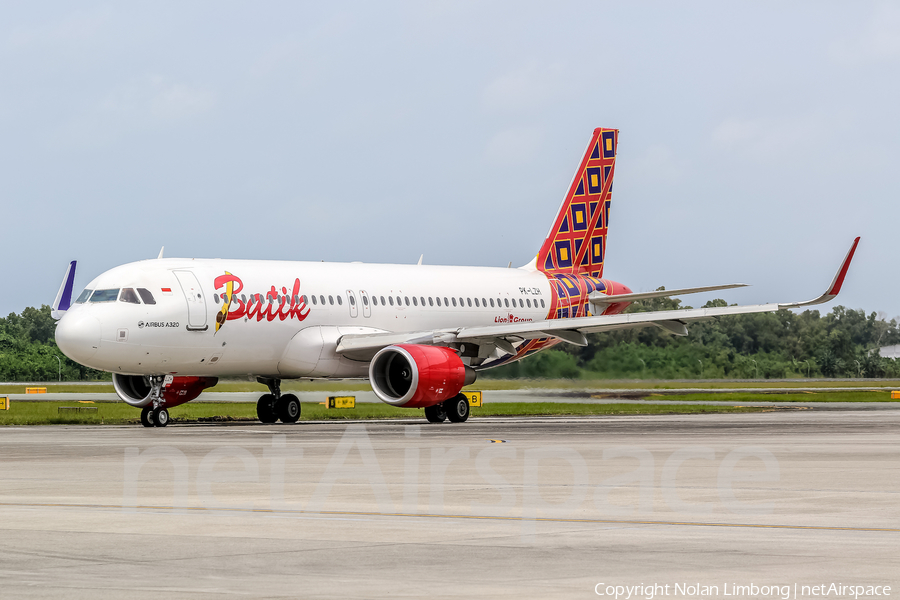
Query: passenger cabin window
{"x":129,"y":295}
{"x":492,"y":303}
{"x":528,"y":302}
{"x":351,"y":300}
{"x":407,"y":300}
{"x":469,"y":302}
{"x":447,"y":302}
{"x":382,"y":301}
{"x":391,"y":298}
{"x":415,"y":301}
{"x":365,"y":300}
{"x":430,"y":301}
{"x":454,"y":301}
{"x":84,"y":296}
{"x":105,"y":295}
{"x":340,"y":302}
{"x":506,"y":302}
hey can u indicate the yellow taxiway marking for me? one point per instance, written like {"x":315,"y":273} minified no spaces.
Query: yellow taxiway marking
{"x":355,"y":513}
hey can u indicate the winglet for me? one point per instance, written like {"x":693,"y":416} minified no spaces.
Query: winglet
{"x":161,"y":252}
{"x":64,"y":296}
{"x":835,"y":288}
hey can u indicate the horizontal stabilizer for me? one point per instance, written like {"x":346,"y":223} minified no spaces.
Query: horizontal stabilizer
{"x":64,"y":296}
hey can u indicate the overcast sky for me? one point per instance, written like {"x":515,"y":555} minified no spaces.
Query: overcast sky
{"x":756,"y":139}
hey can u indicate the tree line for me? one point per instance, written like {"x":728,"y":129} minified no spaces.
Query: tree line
{"x":28,"y":350}
{"x":842,"y":343}
{"x":784,"y":344}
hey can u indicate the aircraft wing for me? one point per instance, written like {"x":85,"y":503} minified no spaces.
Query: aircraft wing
{"x":572,"y":330}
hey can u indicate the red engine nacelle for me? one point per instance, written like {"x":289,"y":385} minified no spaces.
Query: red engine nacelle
{"x":416,"y":376}
{"x":135,"y":389}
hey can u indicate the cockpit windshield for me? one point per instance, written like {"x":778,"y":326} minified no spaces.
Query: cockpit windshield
{"x":105,"y":295}
{"x":128,"y":295}
{"x":146,"y":296}
{"x":84,"y":296}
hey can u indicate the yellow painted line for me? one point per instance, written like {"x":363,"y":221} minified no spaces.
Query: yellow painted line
{"x":498,"y":441}
{"x":439,"y":516}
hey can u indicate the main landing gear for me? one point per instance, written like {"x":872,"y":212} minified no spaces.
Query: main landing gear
{"x":155,"y":415}
{"x":274,"y":406}
{"x":456,"y":410}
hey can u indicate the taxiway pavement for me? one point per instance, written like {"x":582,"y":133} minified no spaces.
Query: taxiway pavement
{"x":496,"y":507}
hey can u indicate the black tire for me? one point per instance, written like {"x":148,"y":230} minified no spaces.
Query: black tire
{"x":435,"y":414}
{"x":265,"y":408}
{"x":160,"y":417}
{"x":147,"y":417}
{"x":288,"y":408}
{"x":457,"y":408}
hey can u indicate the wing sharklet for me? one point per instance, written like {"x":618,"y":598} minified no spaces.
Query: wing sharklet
{"x":835,"y":288}
{"x":64,"y":296}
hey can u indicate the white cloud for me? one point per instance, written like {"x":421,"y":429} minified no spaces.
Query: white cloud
{"x":527,"y":88}
{"x":878,"y":40}
{"x":658,"y":162}
{"x":775,"y":136}
{"x":144,"y":100}
{"x":78,"y":27}
{"x":513,"y":146}
{"x":141,"y":104}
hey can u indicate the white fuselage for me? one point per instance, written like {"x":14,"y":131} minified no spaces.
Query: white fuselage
{"x":271,"y":302}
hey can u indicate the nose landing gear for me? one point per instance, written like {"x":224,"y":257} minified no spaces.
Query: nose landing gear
{"x":275,"y":405}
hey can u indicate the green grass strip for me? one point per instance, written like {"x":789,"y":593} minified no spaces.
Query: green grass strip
{"x":737,"y":397}
{"x":117,"y":413}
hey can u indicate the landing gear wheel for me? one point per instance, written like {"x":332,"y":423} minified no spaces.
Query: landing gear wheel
{"x":160,"y":417}
{"x":265,"y":408}
{"x":457,"y":408}
{"x":147,"y":417}
{"x":288,"y":408}
{"x":435,"y":414}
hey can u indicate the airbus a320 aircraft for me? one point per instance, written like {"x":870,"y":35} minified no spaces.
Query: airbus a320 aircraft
{"x":169,"y":328}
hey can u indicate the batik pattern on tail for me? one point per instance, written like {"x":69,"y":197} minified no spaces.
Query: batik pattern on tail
{"x":577,"y":241}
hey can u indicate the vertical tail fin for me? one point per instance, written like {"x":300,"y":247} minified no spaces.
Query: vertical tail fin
{"x":577,"y":241}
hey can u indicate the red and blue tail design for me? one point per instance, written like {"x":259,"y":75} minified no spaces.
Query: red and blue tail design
{"x":577,"y":241}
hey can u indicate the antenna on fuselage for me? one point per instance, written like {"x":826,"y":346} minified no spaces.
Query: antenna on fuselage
{"x":160,"y":252}
{"x":421,"y":256}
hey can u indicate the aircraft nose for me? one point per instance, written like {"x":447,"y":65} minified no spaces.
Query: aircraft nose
{"x":78,"y":336}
